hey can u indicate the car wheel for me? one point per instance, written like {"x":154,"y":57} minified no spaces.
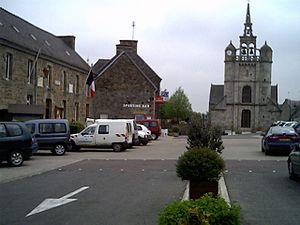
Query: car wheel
{"x":144,"y":142}
{"x":117,"y":147}
{"x":292,"y":175}
{"x":137,"y":142}
{"x":59,"y":149}
{"x":15,"y":158}
{"x":74,"y":147}
{"x":154,"y":136}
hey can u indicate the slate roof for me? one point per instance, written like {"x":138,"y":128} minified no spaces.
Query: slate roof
{"x":103,"y":67}
{"x":22,"y":35}
{"x":150,"y":75}
{"x":216,"y":93}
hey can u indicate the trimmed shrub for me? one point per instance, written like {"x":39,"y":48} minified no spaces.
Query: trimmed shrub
{"x":201,"y":134}
{"x":207,"y":210}
{"x":76,"y":127}
{"x":201,"y":164}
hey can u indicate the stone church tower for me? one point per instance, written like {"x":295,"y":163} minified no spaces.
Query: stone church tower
{"x":247,"y":100}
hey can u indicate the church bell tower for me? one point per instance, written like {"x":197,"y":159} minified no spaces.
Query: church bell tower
{"x":247,"y":79}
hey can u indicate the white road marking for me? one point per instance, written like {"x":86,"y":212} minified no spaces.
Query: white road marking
{"x":50,"y":203}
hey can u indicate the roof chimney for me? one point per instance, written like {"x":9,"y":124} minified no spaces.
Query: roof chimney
{"x":129,"y":46}
{"x":69,"y":40}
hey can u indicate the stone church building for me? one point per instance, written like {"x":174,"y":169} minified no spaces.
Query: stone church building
{"x":247,"y":101}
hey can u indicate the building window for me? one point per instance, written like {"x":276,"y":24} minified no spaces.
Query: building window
{"x":8,"y":66}
{"x":65,"y":109}
{"x":77,"y":85}
{"x":246,"y":94}
{"x":48,"y":108}
{"x":29,"y":100}
{"x":65,"y":85}
{"x":49,"y":77}
{"x":87,"y":91}
{"x":31,"y":72}
{"x":246,"y":118}
{"x":76,"y":111}
{"x":87,"y":110}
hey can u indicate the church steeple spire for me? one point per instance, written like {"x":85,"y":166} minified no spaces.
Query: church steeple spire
{"x":248,"y":24}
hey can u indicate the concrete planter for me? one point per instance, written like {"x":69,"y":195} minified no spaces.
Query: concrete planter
{"x":199,"y":188}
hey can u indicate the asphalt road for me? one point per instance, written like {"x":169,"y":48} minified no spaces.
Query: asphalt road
{"x":132,"y":187}
{"x":117,"y":192}
{"x":93,"y":186}
{"x":260,"y":184}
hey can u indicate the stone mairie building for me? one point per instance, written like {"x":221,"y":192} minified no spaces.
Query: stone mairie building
{"x":42,"y":76}
{"x":247,"y":101}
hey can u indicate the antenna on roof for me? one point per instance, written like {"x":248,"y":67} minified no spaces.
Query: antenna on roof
{"x":133,"y":26}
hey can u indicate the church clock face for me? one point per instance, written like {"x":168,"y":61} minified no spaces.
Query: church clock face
{"x":229,"y":52}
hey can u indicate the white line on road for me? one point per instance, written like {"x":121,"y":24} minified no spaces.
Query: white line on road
{"x":50,"y":203}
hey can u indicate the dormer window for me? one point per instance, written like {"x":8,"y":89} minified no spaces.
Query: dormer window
{"x":16,"y":29}
{"x":33,"y":37}
{"x":47,"y":43}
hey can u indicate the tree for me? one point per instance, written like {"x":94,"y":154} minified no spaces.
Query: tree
{"x":178,"y":108}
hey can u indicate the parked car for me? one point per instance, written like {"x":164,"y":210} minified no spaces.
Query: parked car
{"x":112,"y":133}
{"x":290,"y":123}
{"x":294,"y":162}
{"x":153,"y":125}
{"x":133,"y":127}
{"x":144,"y":129}
{"x":51,"y":134}
{"x":143,"y":138}
{"x":16,"y":143}
{"x":279,"y":138}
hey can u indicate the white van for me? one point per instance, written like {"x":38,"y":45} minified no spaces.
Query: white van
{"x":115,"y":134}
{"x":133,"y":128}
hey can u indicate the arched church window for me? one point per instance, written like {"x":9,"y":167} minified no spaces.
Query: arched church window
{"x":246,"y":119}
{"x":251,"y":49}
{"x":244,"y":49}
{"x":246,"y":94}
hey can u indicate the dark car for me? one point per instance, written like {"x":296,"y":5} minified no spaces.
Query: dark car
{"x":294,"y":162}
{"x":153,"y":125}
{"x":51,"y":134}
{"x":16,"y":143}
{"x":279,"y":139}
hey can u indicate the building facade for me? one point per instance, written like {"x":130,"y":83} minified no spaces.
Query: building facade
{"x":42,"y":76}
{"x":247,"y":101}
{"x":126,"y":87}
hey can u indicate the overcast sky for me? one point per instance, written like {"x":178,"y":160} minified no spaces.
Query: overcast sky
{"x":182,"y":41}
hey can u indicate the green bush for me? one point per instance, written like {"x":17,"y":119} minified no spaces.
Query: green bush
{"x":76,"y":127}
{"x":202,"y":134}
{"x":201,"y":164}
{"x":207,"y":210}
{"x":175,"y":129}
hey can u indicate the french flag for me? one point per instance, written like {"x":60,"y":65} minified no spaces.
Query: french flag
{"x":90,"y":82}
